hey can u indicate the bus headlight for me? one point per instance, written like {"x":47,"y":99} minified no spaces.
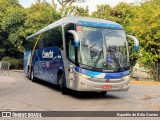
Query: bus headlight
{"x":126,"y":77}
{"x":83,"y":75}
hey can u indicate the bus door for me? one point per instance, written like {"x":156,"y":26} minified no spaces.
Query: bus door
{"x":69,"y":63}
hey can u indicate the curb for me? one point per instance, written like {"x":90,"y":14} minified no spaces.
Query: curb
{"x":145,"y":82}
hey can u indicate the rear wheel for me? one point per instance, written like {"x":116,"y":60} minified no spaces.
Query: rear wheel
{"x":32,"y":78}
{"x":29,"y":74}
{"x":62,"y":83}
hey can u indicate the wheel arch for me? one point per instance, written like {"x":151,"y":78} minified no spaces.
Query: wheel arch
{"x":61,"y":72}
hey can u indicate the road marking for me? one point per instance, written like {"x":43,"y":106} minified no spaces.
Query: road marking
{"x":147,"y":98}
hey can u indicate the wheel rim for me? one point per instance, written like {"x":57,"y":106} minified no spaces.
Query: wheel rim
{"x":32,"y":75}
{"x":28,"y":73}
{"x":60,"y":82}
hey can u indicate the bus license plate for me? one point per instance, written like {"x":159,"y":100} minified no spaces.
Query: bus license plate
{"x":107,"y":87}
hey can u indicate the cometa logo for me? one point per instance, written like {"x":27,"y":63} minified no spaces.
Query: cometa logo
{"x":107,"y":70}
{"x":47,"y":54}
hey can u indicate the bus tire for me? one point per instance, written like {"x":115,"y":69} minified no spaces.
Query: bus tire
{"x":62,"y":84}
{"x":32,"y":78}
{"x":29,"y":74}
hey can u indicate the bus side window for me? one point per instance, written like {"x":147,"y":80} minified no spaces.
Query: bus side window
{"x":54,"y":37}
{"x":70,"y":50}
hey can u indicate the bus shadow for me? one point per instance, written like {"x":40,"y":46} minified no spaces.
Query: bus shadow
{"x":90,"y":95}
{"x":77,"y":94}
{"x":47,"y":85}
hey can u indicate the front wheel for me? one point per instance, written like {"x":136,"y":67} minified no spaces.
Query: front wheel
{"x":62,"y":84}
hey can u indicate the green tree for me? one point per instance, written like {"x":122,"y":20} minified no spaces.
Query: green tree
{"x":103,"y":11}
{"x":13,"y":23}
{"x":3,"y":43}
{"x":78,"y":11}
{"x":12,"y":18}
{"x":39,"y":15}
{"x":67,"y":8}
{"x":146,"y":26}
{"x":123,"y":13}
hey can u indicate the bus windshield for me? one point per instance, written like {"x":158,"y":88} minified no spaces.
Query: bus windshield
{"x":103,"y":48}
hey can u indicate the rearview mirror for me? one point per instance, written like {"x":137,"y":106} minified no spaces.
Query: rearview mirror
{"x":76,"y":37}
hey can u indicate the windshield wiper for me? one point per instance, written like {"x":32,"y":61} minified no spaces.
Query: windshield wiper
{"x":113,"y":55}
{"x":99,"y":55}
{"x":115,"y":58}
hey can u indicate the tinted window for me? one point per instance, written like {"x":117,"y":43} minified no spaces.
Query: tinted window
{"x":54,"y":37}
{"x":51,"y":38}
{"x":41,"y":43}
{"x":29,"y":43}
{"x":70,"y":51}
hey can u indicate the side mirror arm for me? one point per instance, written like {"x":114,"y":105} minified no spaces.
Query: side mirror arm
{"x":136,"y":42}
{"x":76,"y":37}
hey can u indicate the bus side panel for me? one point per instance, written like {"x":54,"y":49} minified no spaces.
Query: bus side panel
{"x":27,"y":55}
{"x":37,"y":65}
{"x":46,"y":64}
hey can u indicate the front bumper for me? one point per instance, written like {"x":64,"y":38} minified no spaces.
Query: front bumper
{"x":89,"y":85}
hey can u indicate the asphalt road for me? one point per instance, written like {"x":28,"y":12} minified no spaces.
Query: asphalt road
{"x":17,"y":93}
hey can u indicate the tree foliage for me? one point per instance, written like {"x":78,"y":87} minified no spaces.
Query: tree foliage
{"x":39,"y":15}
{"x":17,"y":22}
{"x":78,"y":11}
{"x":12,"y":19}
{"x":67,"y":8}
{"x":146,"y":26}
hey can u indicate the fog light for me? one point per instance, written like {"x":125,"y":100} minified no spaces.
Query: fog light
{"x":83,"y":85}
{"x":126,"y":86}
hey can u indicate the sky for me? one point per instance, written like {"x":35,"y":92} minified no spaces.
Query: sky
{"x":91,"y":3}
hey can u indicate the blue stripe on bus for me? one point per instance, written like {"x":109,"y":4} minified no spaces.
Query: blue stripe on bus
{"x":136,"y":48}
{"x":102,"y":74}
{"x":97,"y":24}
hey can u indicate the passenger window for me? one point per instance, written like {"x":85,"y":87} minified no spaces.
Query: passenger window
{"x":54,"y":37}
{"x":71,"y":50}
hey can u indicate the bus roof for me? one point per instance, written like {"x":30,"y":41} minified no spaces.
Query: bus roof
{"x":84,"y":21}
